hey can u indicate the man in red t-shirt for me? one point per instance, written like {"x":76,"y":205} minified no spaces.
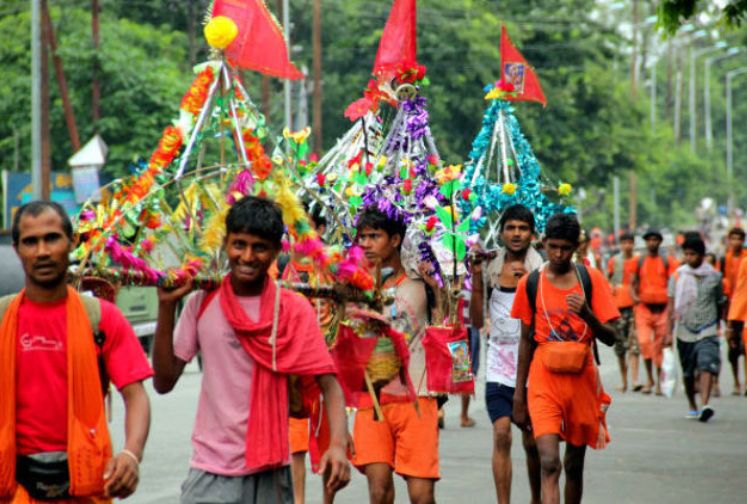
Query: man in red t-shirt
{"x":649,"y":292}
{"x":58,"y":365}
{"x":558,"y":388}
{"x":620,"y":270}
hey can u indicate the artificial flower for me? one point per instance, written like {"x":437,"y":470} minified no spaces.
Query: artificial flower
{"x":509,"y":188}
{"x":220,"y":32}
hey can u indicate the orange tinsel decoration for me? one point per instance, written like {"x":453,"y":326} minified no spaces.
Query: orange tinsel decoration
{"x":196,"y":95}
{"x":255,"y":153}
{"x":168,"y":148}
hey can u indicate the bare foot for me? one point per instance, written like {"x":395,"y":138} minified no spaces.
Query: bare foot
{"x":622,"y":389}
{"x":467,"y":422}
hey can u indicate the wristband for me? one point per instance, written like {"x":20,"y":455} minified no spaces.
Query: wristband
{"x":131,"y":455}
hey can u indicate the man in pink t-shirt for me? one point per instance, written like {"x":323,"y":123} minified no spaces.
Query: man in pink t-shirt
{"x":251,"y":335}
{"x":52,"y":386}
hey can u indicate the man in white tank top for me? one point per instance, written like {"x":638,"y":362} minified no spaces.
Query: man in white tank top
{"x":510,"y":263}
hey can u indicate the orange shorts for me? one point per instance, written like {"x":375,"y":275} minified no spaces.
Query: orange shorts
{"x":404,"y":440}
{"x":652,"y":329}
{"x":298,"y":431}
{"x":565,"y":404}
{"x":21,"y":496}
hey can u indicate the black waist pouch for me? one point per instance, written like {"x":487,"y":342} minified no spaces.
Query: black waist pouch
{"x":45,"y":476}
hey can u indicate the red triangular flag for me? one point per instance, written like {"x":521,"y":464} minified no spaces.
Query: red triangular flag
{"x":398,"y":47}
{"x":260,"y":45}
{"x":516,"y":71}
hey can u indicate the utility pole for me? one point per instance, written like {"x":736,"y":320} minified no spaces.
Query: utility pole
{"x":36,"y":99}
{"x":730,"y":135}
{"x":694,"y":55}
{"x":96,"y":89}
{"x":678,"y":101}
{"x":59,"y":71}
{"x":40,"y":158}
{"x":652,"y":104}
{"x":266,"y":97}
{"x":691,"y":99}
{"x":633,"y":203}
{"x":707,"y":91}
{"x":634,"y":53}
{"x":287,"y":82}
{"x":316,"y":42}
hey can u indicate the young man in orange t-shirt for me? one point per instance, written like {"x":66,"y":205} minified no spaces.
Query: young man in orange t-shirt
{"x":730,"y":269}
{"x":649,"y":292}
{"x":557,"y":383}
{"x":620,"y":271}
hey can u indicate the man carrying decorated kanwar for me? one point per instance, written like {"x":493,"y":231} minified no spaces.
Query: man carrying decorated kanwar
{"x":730,"y":265}
{"x":58,"y":351}
{"x":649,"y":292}
{"x":563,"y":308}
{"x":512,"y":262}
{"x":620,"y":271}
{"x":405,"y":441}
{"x":696,"y":301}
{"x":252,"y":335}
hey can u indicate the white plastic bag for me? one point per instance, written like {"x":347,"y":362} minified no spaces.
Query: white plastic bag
{"x":668,"y":373}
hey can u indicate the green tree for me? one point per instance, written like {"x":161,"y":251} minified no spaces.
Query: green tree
{"x":143,"y":73}
{"x":673,"y":13}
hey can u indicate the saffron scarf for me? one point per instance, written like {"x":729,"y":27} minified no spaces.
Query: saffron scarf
{"x":88,"y":444}
{"x":285,"y":340}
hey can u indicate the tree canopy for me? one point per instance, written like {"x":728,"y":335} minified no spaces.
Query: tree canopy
{"x":591,"y":130}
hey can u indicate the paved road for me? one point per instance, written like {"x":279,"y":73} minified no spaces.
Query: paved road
{"x":656,"y":455}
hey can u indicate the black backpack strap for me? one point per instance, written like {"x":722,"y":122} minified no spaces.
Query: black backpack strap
{"x":585,"y":278}
{"x":92,"y":306}
{"x":532,"y":286}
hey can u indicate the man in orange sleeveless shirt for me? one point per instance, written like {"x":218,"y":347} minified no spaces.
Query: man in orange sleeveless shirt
{"x":54,"y":440}
{"x":405,"y":441}
{"x":557,"y":383}
{"x":649,"y":291}
{"x":620,"y":270}
{"x":730,"y":269}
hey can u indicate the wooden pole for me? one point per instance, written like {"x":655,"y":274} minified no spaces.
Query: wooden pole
{"x":59,"y":71}
{"x":266,"y":97}
{"x":96,"y":88}
{"x":316,"y":35}
{"x":46,"y":158}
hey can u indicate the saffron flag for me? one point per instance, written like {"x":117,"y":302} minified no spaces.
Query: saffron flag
{"x":516,"y":71}
{"x":260,"y":45}
{"x":398,"y":46}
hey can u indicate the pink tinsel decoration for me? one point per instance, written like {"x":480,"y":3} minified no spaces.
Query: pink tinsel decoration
{"x":242,"y":184}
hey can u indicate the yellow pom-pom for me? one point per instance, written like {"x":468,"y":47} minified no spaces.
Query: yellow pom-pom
{"x":565,"y":189}
{"x":220,"y":32}
{"x":509,"y":188}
